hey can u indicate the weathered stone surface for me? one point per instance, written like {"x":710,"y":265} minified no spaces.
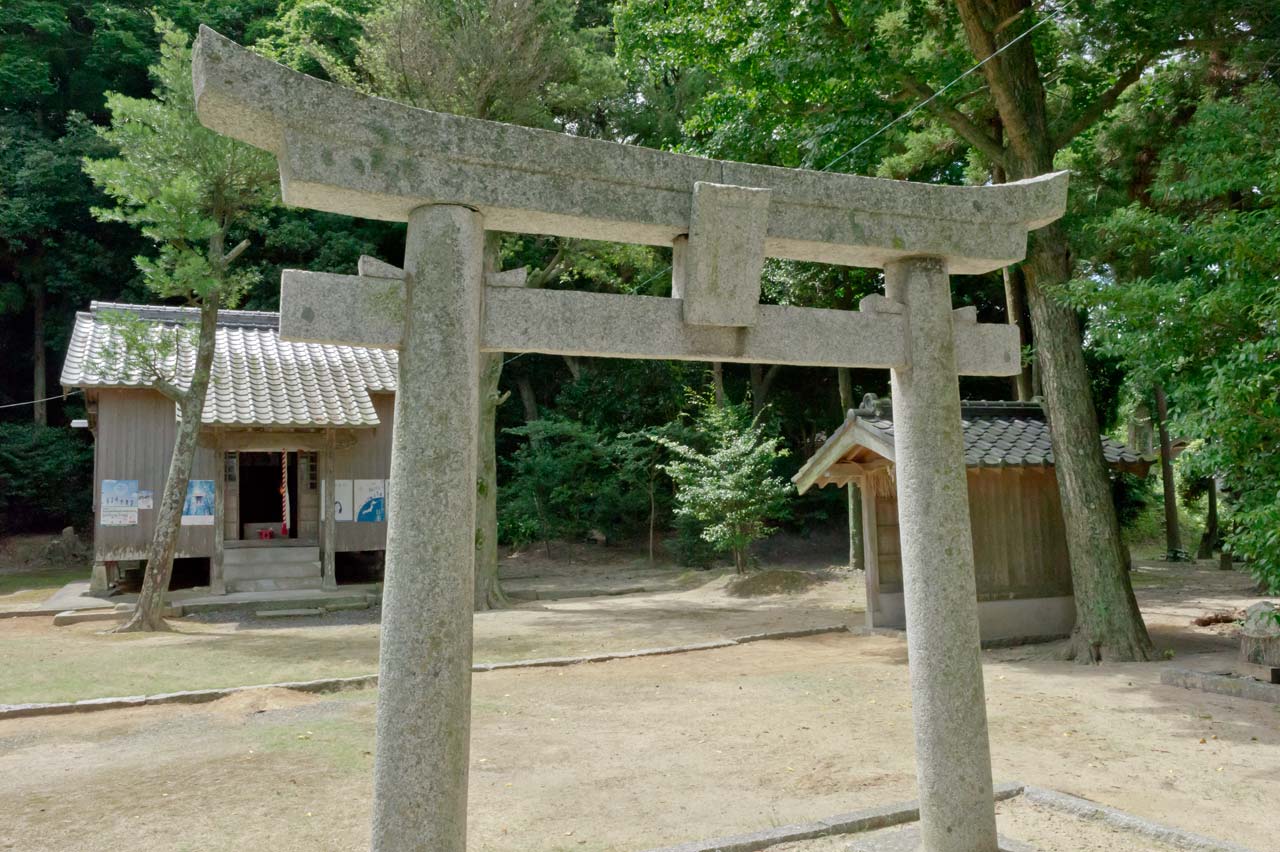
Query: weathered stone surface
{"x":907,"y":839}
{"x":1085,"y":809}
{"x":320,"y":307}
{"x":1222,"y":683}
{"x":953,"y":758}
{"x":73,"y":616}
{"x":424,"y":695}
{"x":567,"y":322}
{"x":345,"y":152}
{"x":1260,"y":635}
{"x":727,"y":232}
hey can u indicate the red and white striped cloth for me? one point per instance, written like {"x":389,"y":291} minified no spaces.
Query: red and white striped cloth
{"x":284,"y":494}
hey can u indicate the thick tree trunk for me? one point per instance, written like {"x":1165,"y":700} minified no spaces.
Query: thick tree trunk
{"x":1209,"y":541}
{"x":853,"y":493}
{"x":1109,"y":625}
{"x":1015,"y":299}
{"x":528,"y":401}
{"x":488,"y":593}
{"x":1172,"y":533}
{"x":1108,"y":622}
{"x":761,"y":385}
{"x":39,"y":357}
{"x":149,"y":613}
{"x":717,"y":382}
{"x":488,"y":586}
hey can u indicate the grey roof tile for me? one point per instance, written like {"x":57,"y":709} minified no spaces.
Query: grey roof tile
{"x":258,"y":379}
{"x":999,"y":434}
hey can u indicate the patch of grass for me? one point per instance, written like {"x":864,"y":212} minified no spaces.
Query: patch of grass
{"x":28,"y":586}
{"x":345,"y":744}
{"x":773,"y":582}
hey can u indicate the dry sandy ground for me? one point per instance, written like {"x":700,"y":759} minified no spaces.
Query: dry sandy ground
{"x":634,"y":754}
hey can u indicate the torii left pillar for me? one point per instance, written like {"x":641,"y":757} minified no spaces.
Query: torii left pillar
{"x":424,"y":696}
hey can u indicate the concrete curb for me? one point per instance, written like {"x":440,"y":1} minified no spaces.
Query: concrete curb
{"x":194,"y":696}
{"x":1086,"y":809}
{"x":1221,"y":684}
{"x":868,"y":819}
{"x":202,"y":696}
{"x":888,"y":816}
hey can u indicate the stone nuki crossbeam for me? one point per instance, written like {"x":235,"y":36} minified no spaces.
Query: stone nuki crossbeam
{"x":451,"y":179}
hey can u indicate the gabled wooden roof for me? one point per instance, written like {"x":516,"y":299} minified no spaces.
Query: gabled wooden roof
{"x":996,"y":435}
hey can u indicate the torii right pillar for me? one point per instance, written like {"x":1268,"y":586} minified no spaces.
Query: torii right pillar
{"x":953,"y":755}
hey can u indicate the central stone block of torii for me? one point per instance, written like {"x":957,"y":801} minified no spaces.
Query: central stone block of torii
{"x":453,"y":178}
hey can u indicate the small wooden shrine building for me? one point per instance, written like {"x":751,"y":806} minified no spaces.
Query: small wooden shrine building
{"x":1019,"y":540}
{"x":287,"y":428}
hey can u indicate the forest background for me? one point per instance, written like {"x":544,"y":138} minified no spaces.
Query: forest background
{"x":1167,"y":114}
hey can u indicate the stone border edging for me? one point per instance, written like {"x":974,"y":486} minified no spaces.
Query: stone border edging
{"x":888,"y":816}
{"x":1086,"y":809}
{"x":856,"y":822}
{"x":339,"y":684}
{"x":1217,"y":683}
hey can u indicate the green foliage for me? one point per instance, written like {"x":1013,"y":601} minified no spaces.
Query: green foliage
{"x":571,"y":481}
{"x":46,"y":477}
{"x":1186,"y":295}
{"x":724,"y":478}
{"x":181,"y":184}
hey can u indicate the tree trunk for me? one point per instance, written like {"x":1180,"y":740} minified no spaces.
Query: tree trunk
{"x":39,"y":357}
{"x":1109,"y":624}
{"x":717,"y":382}
{"x":1209,"y":541}
{"x":853,"y":493}
{"x":761,"y":384}
{"x":1015,"y":299}
{"x":528,"y":401}
{"x":488,"y":586}
{"x":149,"y":613}
{"x":1172,"y":533}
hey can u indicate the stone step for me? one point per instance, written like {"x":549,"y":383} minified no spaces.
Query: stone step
{"x":272,"y":571}
{"x":276,"y":553}
{"x":282,"y":584}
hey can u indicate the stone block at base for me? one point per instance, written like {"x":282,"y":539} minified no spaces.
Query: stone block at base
{"x":907,"y":839}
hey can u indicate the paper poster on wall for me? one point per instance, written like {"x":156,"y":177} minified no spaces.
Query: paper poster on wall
{"x":118,"y":506}
{"x":370,"y":501}
{"x":342,"y":500}
{"x":146,"y":499}
{"x":197,"y":510}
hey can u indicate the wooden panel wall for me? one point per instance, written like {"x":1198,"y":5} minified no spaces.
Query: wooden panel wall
{"x":888,"y":543}
{"x":1019,"y":541}
{"x":308,"y":495}
{"x":370,"y":458}
{"x":135,"y":436}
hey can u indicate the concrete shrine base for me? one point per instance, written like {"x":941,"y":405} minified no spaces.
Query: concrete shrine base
{"x":896,"y":828}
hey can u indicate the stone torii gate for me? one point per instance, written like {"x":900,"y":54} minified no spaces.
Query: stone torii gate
{"x":452,"y":178}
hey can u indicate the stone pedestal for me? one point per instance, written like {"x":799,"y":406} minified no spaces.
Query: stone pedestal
{"x":953,"y":757}
{"x":424,"y":696}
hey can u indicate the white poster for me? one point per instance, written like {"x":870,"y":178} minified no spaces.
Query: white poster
{"x":197,"y":509}
{"x":370,"y":501}
{"x":342,"y":500}
{"x":146,"y":500}
{"x":118,"y":505}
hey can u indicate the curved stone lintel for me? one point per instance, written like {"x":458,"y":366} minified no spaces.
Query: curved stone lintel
{"x":345,"y":152}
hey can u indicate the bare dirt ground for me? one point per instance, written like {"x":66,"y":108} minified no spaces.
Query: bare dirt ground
{"x":634,"y":754}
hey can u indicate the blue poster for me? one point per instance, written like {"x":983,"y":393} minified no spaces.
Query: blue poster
{"x":197,"y":509}
{"x":370,"y":501}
